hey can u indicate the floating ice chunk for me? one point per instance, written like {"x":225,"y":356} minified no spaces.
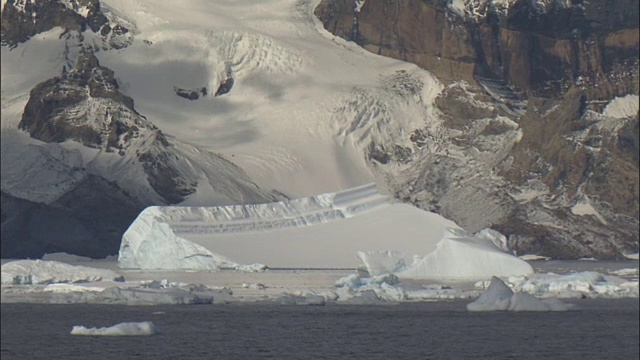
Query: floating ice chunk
{"x":147,"y":297}
{"x":356,"y":281}
{"x":385,"y":287}
{"x":256,"y":286}
{"x":382,"y":262}
{"x":144,"y":328}
{"x":150,"y":243}
{"x":588,"y":259}
{"x":499,"y":297}
{"x":532,"y":257}
{"x":587,"y":283}
{"x":626,"y":272}
{"x":251,"y":268}
{"x":31,"y":272}
{"x":499,"y":240}
{"x":459,"y":256}
{"x":69,"y":288}
{"x":544,"y":284}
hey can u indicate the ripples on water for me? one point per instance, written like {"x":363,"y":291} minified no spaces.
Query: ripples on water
{"x":602,"y":329}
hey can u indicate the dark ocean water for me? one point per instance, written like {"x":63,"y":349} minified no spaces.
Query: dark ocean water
{"x":601,"y":329}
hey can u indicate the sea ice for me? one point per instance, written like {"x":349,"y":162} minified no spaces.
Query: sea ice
{"x":499,"y":297}
{"x":581,"y":284}
{"x":385,"y":287}
{"x":31,"y":272}
{"x":144,"y":328}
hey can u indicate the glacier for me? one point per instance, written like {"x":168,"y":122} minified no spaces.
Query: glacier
{"x":332,"y":230}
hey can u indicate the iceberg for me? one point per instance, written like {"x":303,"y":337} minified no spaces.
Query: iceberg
{"x":499,"y":297}
{"x":144,"y":328}
{"x":457,"y":256}
{"x":33,"y":272}
{"x":374,"y":289}
{"x":332,"y":230}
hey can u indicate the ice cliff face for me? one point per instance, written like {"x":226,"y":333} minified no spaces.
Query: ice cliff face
{"x":524,"y":135}
{"x":330,"y":230}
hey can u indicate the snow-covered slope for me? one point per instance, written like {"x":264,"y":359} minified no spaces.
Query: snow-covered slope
{"x":304,"y":107}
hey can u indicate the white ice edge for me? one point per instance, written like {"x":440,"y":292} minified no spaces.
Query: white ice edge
{"x":145,"y":328}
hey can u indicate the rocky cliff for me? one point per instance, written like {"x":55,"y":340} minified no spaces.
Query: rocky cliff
{"x":567,"y":186}
{"x":538,"y":47}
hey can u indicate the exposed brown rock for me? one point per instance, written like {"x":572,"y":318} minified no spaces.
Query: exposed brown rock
{"x":568,"y":62}
{"x":539,"y":53}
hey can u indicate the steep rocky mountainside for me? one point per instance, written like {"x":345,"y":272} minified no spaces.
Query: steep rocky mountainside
{"x":523,"y":128}
{"x":84,"y":105}
{"x":539,"y":50}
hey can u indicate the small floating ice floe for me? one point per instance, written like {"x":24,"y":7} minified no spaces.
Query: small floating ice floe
{"x":499,"y":297}
{"x":144,"y":328}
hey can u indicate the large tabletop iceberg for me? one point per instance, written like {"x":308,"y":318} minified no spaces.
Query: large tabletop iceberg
{"x":325,"y":231}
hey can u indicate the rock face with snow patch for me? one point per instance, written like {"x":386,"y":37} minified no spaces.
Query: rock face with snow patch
{"x":524,"y":134}
{"x":23,"y":19}
{"x":84,"y":104}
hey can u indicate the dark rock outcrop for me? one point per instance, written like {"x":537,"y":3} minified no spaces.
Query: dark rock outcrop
{"x":225,"y":86}
{"x":190,"y":94}
{"x":84,"y":104}
{"x":23,"y":19}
